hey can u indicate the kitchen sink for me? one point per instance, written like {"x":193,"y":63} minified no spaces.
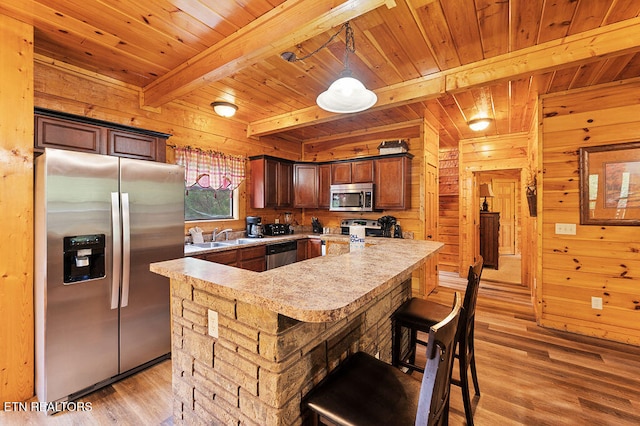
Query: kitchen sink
{"x":211,"y":244}
{"x":239,"y":241}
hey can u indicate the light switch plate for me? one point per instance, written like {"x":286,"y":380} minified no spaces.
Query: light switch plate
{"x":213,"y":324}
{"x":596,"y":302}
{"x":566,"y":228}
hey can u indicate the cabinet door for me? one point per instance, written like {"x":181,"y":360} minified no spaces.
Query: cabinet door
{"x":362,"y":171}
{"x":340,"y":173}
{"x":252,"y":258}
{"x":271,"y":183}
{"x":314,"y":248}
{"x":305,"y":185}
{"x":324,"y":185}
{"x":392,"y":179}
{"x":133,"y":145}
{"x":227,"y":257}
{"x":301,"y":253}
{"x":284,"y":184}
{"x":64,"y":134}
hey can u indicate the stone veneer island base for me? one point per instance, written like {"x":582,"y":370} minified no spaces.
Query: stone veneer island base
{"x":281,"y":331}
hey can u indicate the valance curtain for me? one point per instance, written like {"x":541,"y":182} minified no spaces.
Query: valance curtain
{"x":210,"y":169}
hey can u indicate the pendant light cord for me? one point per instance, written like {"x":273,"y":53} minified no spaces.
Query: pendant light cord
{"x":350,"y":46}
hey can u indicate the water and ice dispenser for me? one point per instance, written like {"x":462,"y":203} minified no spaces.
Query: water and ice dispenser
{"x":84,"y":258}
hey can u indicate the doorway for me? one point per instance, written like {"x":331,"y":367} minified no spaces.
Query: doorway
{"x":505,"y":186}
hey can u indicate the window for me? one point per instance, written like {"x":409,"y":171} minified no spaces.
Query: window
{"x":208,"y":203}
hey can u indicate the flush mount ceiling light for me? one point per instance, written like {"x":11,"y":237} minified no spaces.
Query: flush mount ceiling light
{"x":347,"y":94}
{"x":479,"y":124}
{"x":224,"y":109}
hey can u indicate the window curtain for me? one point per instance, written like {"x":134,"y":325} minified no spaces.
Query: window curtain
{"x":210,"y":169}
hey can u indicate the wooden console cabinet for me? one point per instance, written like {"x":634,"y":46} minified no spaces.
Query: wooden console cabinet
{"x":489,"y":243}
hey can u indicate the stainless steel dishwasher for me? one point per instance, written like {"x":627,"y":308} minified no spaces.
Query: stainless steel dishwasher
{"x":280,"y":254}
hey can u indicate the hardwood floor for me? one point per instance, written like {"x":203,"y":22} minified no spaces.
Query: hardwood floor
{"x":534,"y":376}
{"x":528,"y":375}
{"x":141,"y":399}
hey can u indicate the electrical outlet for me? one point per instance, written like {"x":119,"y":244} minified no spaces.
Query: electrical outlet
{"x":566,"y":228}
{"x":596,"y":302}
{"x":213,"y":324}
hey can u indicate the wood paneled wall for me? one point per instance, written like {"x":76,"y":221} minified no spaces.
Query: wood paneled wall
{"x":16,"y":210}
{"x":449,"y":211}
{"x":599,"y":261}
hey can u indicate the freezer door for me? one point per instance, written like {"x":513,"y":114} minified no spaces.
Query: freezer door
{"x":153,"y":229}
{"x":76,"y":329}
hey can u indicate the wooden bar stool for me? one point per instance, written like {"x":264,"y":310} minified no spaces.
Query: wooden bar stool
{"x":419,"y":314}
{"x":366,"y":391}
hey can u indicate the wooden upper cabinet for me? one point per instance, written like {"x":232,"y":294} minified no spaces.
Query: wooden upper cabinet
{"x":362,"y":171}
{"x":305,"y":185}
{"x":76,"y":133}
{"x":356,"y":171}
{"x":65,"y":134}
{"x":271,"y":182}
{"x":324,"y":185}
{"x":340,"y":173}
{"x":392,"y":180}
{"x":135,"y":145}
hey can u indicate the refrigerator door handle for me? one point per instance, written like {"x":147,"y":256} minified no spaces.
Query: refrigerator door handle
{"x":117,"y":250}
{"x":126,"y":250}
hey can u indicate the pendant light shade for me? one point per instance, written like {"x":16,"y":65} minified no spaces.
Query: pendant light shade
{"x":346,"y":94}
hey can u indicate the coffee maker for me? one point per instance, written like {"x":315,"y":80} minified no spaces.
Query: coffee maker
{"x":254,"y":227}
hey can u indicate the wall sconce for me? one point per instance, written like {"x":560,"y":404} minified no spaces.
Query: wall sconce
{"x":224,"y":109}
{"x":479,"y":124}
{"x":485,"y":191}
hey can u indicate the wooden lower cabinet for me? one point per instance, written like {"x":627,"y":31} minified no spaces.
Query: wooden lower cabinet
{"x":308,"y":248}
{"x":253,"y":258}
{"x":250,"y":258}
{"x":228,"y":257}
{"x":314,"y":249}
{"x":489,"y":242}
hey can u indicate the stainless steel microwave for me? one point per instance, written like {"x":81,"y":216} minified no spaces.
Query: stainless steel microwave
{"x":353,"y":197}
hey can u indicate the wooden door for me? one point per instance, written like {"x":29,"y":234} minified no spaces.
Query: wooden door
{"x":504,"y":201}
{"x":431,"y":223}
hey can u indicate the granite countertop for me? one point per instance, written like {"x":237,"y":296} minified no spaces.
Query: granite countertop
{"x":191,"y":250}
{"x":326,"y":288}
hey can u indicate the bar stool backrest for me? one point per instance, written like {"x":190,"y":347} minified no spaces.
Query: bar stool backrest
{"x":434,"y":390}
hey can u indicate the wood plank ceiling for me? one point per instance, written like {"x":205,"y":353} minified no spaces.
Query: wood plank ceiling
{"x":455,"y":59}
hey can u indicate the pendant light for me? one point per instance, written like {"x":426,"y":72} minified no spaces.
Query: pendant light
{"x":347,"y":94}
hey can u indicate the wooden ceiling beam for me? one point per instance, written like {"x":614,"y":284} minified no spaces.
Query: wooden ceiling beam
{"x":608,"y":41}
{"x":288,"y":24}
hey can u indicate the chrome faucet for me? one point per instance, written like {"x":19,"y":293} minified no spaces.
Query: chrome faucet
{"x":216,"y":234}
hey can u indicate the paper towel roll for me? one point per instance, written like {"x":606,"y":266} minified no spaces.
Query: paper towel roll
{"x":356,"y":238}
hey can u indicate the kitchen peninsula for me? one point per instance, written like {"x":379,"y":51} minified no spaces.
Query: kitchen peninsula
{"x":247,"y":346}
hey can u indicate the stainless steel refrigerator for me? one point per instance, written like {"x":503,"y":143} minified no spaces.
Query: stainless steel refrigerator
{"x":99,"y":312}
